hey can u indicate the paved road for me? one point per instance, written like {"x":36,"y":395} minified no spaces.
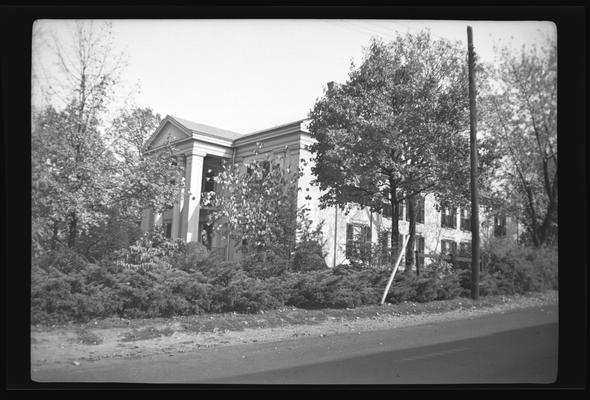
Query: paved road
{"x":515,"y":347}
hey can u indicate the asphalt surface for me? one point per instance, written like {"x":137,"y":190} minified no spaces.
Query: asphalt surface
{"x":513,"y":347}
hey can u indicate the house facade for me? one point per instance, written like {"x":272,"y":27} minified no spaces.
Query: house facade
{"x":199,"y":149}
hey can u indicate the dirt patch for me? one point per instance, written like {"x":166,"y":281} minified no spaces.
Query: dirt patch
{"x":121,"y":338}
{"x":145,"y":334}
{"x":87,"y":337}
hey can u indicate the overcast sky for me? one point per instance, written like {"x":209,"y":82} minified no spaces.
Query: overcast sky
{"x":247,"y":75}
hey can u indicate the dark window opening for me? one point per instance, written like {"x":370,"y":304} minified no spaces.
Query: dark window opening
{"x":465,"y":220}
{"x":358,"y":241}
{"x":168,"y":230}
{"x":209,"y":184}
{"x":419,"y":251}
{"x":420,"y":209}
{"x":448,"y":248}
{"x":448,"y":217}
{"x":499,"y":226}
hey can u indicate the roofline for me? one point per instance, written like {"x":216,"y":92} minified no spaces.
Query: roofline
{"x":206,"y":133}
{"x":272,"y":132}
{"x":297,"y":126}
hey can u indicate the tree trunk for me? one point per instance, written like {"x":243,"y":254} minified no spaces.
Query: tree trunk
{"x":73,"y":230}
{"x":412,"y":233}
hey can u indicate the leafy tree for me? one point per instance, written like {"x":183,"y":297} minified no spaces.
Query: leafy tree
{"x":256,"y":204}
{"x":81,"y":179}
{"x":396,"y":128}
{"x":521,"y":110}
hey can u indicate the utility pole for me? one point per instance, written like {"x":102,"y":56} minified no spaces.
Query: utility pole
{"x":474,"y":191}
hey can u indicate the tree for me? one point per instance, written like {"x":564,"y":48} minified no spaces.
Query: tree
{"x":80,"y":179}
{"x":521,"y":110}
{"x":394,"y":129}
{"x":256,"y":205}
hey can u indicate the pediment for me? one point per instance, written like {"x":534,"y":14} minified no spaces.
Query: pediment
{"x":167,"y":132}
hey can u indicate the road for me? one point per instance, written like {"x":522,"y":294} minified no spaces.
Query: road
{"x":514,"y":347}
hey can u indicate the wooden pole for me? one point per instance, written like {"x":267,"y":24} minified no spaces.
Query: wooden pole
{"x":474,"y":164}
{"x":399,"y":258}
{"x":335,"y":234}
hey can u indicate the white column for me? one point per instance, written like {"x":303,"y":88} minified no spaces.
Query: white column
{"x":192,"y":198}
{"x":177,"y":209}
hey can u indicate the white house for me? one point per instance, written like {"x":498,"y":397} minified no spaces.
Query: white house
{"x":199,"y":149}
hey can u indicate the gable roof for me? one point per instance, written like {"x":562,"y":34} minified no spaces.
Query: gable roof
{"x":206,"y":129}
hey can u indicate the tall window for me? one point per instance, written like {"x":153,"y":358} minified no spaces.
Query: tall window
{"x":465,"y":220}
{"x":358,"y":241}
{"x":209,"y":184}
{"x":168,"y":229}
{"x":499,"y":226}
{"x":420,"y":209}
{"x":448,"y":217}
{"x":420,"y":251}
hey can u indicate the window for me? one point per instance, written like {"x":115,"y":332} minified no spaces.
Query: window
{"x":209,"y":184}
{"x":464,"y":259}
{"x":168,"y":229}
{"x":419,"y":251}
{"x":448,"y":217}
{"x":465,"y":220}
{"x":206,"y":235}
{"x":465,"y":249}
{"x":358,"y":241}
{"x":448,"y":247}
{"x":387,"y":210}
{"x":499,"y":226}
{"x":420,"y":209}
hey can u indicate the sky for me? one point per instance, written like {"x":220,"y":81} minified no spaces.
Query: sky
{"x":249,"y":75}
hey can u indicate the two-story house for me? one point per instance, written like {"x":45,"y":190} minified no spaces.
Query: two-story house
{"x":200,"y":148}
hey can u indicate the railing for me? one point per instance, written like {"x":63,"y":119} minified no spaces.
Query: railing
{"x":463,"y":260}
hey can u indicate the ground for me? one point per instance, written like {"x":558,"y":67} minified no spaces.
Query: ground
{"x":75,"y":344}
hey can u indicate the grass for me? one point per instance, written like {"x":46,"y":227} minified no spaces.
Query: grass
{"x":144,"y":329}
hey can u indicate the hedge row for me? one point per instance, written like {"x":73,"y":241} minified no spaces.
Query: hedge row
{"x":67,"y":288}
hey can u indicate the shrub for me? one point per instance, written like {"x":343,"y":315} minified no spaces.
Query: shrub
{"x":152,"y":250}
{"x":309,"y":257}
{"x":449,"y":287}
{"x":192,"y":255}
{"x":523,"y":269}
{"x":63,"y":259}
{"x":264,"y":265}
